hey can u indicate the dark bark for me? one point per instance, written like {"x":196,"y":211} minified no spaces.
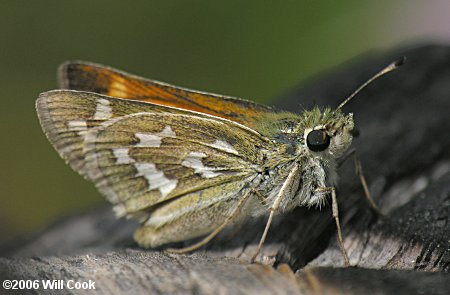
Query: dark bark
{"x":404,"y":147}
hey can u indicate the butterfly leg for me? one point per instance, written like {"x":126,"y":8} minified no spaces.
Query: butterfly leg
{"x":335,"y":212}
{"x":359,"y":172}
{"x":208,"y":238}
{"x":266,"y":230}
{"x":274,"y":208}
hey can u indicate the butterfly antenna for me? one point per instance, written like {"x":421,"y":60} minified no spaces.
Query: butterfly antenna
{"x":392,"y":66}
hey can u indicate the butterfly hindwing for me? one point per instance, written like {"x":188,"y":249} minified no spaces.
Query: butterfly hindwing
{"x":143,"y":159}
{"x":104,"y":80}
{"x":194,"y":214}
{"x":141,"y":155}
{"x":180,"y":174}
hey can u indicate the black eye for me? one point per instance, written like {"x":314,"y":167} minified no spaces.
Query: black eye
{"x":317,"y":140}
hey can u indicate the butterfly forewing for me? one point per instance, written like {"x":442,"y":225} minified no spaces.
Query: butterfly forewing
{"x":104,"y":80}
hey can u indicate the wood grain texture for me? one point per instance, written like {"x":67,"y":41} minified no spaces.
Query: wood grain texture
{"x":404,"y":147}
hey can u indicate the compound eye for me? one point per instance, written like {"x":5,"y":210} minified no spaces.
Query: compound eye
{"x":317,"y":140}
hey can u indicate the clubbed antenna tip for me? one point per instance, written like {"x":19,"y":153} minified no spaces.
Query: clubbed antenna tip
{"x":392,"y":66}
{"x":399,"y":62}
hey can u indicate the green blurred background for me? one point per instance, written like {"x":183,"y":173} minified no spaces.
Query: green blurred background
{"x":241,"y":48}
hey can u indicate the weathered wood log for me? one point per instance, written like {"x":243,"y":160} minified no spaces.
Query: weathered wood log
{"x":404,"y":147}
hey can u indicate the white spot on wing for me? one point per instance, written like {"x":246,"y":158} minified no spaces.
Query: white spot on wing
{"x":167,"y":132}
{"x":194,"y":161}
{"x":122,"y":156}
{"x":156,"y":178}
{"x":224,"y":146}
{"x":148,"y":140}
{"x":154,"y":139}
{"x":103,"y":110}
{"x":79,"y":126}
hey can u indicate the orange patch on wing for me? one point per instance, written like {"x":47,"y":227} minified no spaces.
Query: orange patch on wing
{"x":104,"y":80}
{"x":117,"y":88}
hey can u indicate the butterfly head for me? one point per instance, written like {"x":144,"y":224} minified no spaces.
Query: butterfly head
{"x":327,"y":132}
{"x":330,"y":132}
